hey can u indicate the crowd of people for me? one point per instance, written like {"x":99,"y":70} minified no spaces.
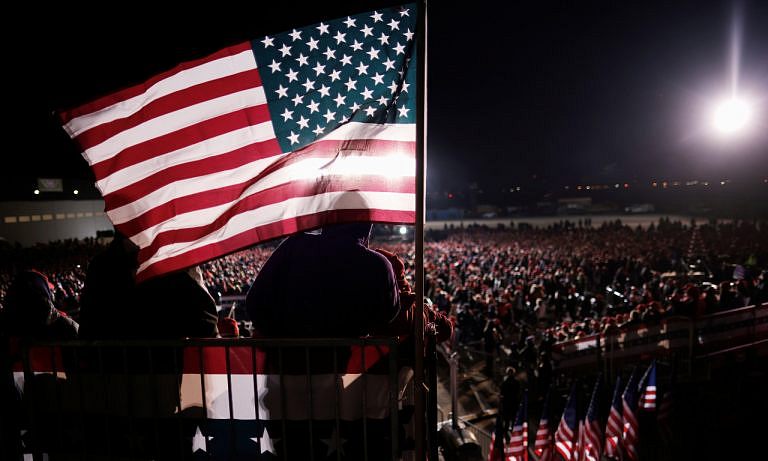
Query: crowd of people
{"x":515,"y":292}
{"x":564,"y":281}
{"x":512,"y":292}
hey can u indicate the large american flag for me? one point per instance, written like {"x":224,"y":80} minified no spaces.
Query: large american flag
{"x":262,"y":139}
{"x":518,"y":441}
{"x":565,"y":436}
{"x":613,"y":428}
{"x":542,"y":447}
{"x":630,"y":434}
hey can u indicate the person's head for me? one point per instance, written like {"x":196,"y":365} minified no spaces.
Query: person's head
{"x":360,"y":231}
{"x":29,"y":300}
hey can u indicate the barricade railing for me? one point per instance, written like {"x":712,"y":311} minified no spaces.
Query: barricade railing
{"x":483,"y":437}
{"x":208,"y":399}
{"x":693,"y":337}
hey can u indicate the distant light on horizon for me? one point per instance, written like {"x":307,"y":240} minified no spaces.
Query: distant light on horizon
{"x":75,"y":191}
{"x":36,"y":192}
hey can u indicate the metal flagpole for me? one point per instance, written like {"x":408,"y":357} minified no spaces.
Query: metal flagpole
{"x":421,"y":170}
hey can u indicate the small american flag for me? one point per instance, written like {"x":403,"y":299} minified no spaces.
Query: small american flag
{"x":565,"y":436}
{"x":518,"y":441}
{"x":262,"y":139}
{"x":591,"y":444}
{"x":542,"y":447}
{"x":613,"y":428}
{"x":630,"y":435}
{"x":648,"y":396}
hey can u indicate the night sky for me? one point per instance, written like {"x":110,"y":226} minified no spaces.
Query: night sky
{"x":564,"y":92}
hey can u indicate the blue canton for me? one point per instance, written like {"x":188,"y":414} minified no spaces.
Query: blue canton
{"x":360,"y":68}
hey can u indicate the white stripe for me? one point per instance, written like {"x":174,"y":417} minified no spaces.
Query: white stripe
{"x":287,"y":209}
{"x":323,"y":392}
{"x":18,"y":377}
{"x":174,"y":121}
{"x":210,"y":147}
{"x":228,"y":65}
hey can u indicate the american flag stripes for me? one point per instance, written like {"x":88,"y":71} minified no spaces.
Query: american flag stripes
{"x":613,"y":428}
{"x":591,"y":444}
{"x":630,"y":426}
{"x":577,"y":451}
{"x":648,"y":396}
{"x":518,"y":441}
{"x":565,"y":436}
{"x":260,"y":140}
{"x":542,"y":447}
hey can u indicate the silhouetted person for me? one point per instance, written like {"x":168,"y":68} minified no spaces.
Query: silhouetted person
{"x":510,"y":393}
{"x":109,"y":293}
{"x":29,"y":314}
{"x":325,"y":283}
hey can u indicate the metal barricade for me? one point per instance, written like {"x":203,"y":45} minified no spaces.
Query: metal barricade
{"x":483,"y":438}
{"x":210,"y":399}
{"x":692,"y":338}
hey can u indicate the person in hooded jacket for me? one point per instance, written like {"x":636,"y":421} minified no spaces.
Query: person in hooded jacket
{"x":29,"y":314}
{"x":326,"y":283}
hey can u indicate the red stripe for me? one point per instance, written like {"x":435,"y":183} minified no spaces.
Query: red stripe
{"x":305,"y":188}
{"x":170,"y":103}
{"x":128,"y":93}
{"x":184,"y":137}
{"x":271,"y":231}
{"x":210,"y":198}
{"x":201,"y":167}
{"x":45,"y":359}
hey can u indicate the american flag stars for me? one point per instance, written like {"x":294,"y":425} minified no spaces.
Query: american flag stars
{"x":356,"y":68}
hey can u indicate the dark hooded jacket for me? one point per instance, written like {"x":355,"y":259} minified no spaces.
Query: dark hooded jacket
{"x":324,"y":284}
{"x":30,"y":312}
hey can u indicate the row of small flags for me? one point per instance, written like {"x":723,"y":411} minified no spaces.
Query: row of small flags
{"x":583,"y":439}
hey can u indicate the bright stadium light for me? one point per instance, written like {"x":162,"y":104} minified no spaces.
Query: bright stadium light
{"x":731,"y":116}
